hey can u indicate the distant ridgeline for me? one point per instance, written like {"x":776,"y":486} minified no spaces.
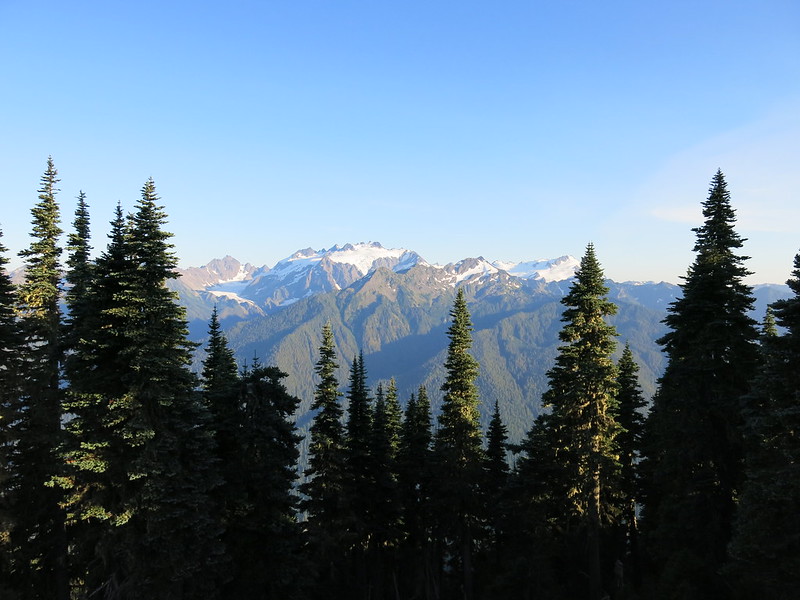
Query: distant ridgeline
{"x":394,"y":306}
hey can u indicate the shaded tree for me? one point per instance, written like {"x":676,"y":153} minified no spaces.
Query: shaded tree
{"x":323,"y":501}
{"x":264,"y":542}
{"x":765,"y":549}
{"x":10,"y":354}
{"x":712,"y":356}
{"x":38,"y":538}
{"x":630,"y":417}
{"x":458,"y":448}
{"x":358,"y":485}
{"x":414,"y":472}
{"x":581,"y":427}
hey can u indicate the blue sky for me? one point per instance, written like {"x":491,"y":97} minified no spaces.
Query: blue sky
{"x":512,"y":130}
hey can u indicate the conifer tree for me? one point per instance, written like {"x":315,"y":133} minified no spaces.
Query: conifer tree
{"x":631,"y":420}
{"x":10,"y":350}
{"x":693,"y":446}
{"x":496,"y":474}
{"x":263,"y":536}
{"x":581,"y":427}
{"x":176,"y":462}
{"x":494,"y":493}
{"x":414,"y":489}
{"x":145,"y":465}
{"x":94,"y":372}
{"x":385,"y":522}
{"x":496,"y":449}
{"x":79,"y":279}
{"x":458,"y":446}
{"x":322,"y":490}
{"x":221,"y":391}
{"x":358,"y":485}
{"x":222,"y":396}
{"x":765,"y":550}
{"x":38,"y":539}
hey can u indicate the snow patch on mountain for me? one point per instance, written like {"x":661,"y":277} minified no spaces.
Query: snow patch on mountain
{"x":557,"y":269}
{"x":363,"y":256}
{"x":471,"y":268}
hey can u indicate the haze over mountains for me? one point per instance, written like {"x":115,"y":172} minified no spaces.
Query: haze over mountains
{"x":394,"y":305}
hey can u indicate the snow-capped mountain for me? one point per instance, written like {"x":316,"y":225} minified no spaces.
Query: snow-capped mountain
{"x":309,"y":272}
{"x":557,"y":269}
{"x":219,"y":271}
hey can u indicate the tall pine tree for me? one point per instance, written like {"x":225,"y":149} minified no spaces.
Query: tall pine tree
{"x":581,"y":426}
{"x":323,"y":501}
{"x":414,"y":473}
{"x":358,"y":484}
{"x":631,"y":419}
{"x":693,"y":438}
{"x":38,"y":538}
{"x":263,"y":535}
{"x":765,"y":550}
{"x":10,"y":351}
{"x":145,"y":468}
{"x":458,"y":448}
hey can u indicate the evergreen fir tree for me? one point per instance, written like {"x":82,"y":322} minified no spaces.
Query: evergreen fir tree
{"x":38,"y":539}
{"x":631,"y":420}
{"x":385,"y":521}
{"x":693,"y":436}
{"x":10,"y":351}
{"x":145,"y":466}
{"x":358,"y":485}
{"x":458,"y":447}
{"x":765,"y":550}
{"x":221,"y":391}
{"x":322,"y":490}
{"x":414,"y":489}
{"x":79,"y":279}
{"x":496,"y":449}
{"x":95,"y":373}
{"x":263,"y":536}
{"x":496,"y":475}
{"x":581,"y":427}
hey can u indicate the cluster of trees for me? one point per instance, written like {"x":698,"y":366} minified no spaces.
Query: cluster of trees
{"x":124,"y":475}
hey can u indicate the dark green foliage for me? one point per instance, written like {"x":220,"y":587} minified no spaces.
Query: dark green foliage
{"x":10,"y":350}
{"x":581,"y":429}
{"x":263,"y":537}
{"x":79,"y":279}
{"x":458,"y":449}
{"x":414,"y":472}
{"x":38,"y":538}
{"x":221,"y":391}
{"x":631,"y":420}
{"x":496,"y":451}
{"x":384,"y":522}
{"x":359,"y":483}
{"x":142,"y":462}
{"x":693,"y":445}
{"x":765,"y":550}
{"x":323,"y":499}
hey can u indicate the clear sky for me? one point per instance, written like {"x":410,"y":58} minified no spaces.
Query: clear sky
{"x":512,"y":130}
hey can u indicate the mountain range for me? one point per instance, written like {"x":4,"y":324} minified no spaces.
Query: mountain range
{"x":394,"y":306}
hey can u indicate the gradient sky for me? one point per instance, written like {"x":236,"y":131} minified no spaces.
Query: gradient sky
{"x":512,"y":130}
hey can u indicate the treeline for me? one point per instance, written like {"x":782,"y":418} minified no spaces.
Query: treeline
{"x":123,"y":475}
